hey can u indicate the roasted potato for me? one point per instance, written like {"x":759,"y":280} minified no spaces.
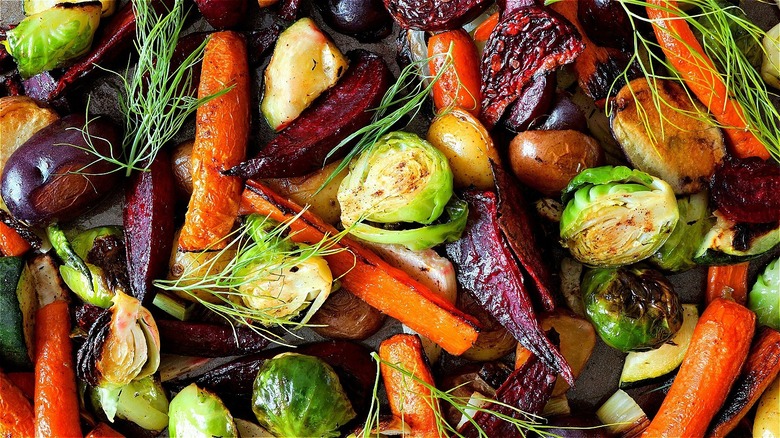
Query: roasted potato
{"x":345,"y":316}
{"x":182,"y":169}
{"x":20,"y":118}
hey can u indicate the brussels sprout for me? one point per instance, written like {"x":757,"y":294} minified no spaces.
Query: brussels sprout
{"x":142,"y":402}
{"x":401,"y":178}
{"x":615,"y":216}
{"x":420,"y":238}
{"x":296,"y":395}
{"x":764,"y":298}
{"x":51,"y":38}
{"x":196,"y":412}
{"x":678,"y":251}
{"x":632,"y":309}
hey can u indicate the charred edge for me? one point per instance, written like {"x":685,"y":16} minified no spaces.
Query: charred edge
{"x":91,"y":352}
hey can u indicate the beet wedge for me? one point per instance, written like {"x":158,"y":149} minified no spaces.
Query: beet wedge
{"x":486,"y":268}
{"x":302,"y":147}
{"x":208,"y":340}
{"x":528,"y":389}
{"x":149,"y":228}
{"x":430,"y":15}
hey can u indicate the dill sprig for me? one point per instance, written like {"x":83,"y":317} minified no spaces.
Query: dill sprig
{"x":253,"y":256}
{"x":743,"y":81}
{"x":525,"y":422}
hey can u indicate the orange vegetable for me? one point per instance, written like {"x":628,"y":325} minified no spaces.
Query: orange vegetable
{"x":16,"y":413}
{"x":409,"y":399}
{"x":221,"y":133}
{"x":25,"y":382}
{"x":483,"y":31}
{"x":103,"y":430}
{"x":718,"y":348}
{"x":11,"y":243}
{"x":370,"y":278}
{"x":728,"y":282}
{"x":697,"y":70}
{"x":56,"y":402}
{"x":458,"y":85}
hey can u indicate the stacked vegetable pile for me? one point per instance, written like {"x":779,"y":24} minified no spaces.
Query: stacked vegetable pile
{"x":523,"y":180}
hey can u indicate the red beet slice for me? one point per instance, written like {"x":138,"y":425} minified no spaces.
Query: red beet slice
{"x":433,"y":15}
{"x":747,"y":190}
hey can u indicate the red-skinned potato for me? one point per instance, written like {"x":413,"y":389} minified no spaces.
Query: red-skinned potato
{"x":547,"y":160}
{"x":182,"y":169}
{"x":345,"y":316}
{"x":52,"y":178}
{"x":223,"y":14}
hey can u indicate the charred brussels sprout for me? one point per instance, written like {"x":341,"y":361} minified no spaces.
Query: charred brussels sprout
{"x":51,"y":38}
{"x":764,"y":298}
{"x":195,"y":413}
{"x":142,"y":402}
{"x":678,"y":251}
{"x":401,"y":178}
{"x":300,"y":396}
{"x":632,"y":309}
{"x":616,"y":216}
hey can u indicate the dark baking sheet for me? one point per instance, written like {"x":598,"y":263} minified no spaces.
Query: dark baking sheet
{"x":600,"y":377}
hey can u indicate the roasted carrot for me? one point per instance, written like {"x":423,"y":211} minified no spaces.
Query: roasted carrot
{"x":103,"y":430}
{"x":718,"y":348}
{"x":221,"y":133}
{"x":25,"y":382}
{"x":760,"y":370}
{"x":483,"y":31}
{"x":56,"y":400}
{"x":728,"y":281}
{"x":684,"y":52}
{"x":16,"y":413}
{"x":459,"y":85}
{"x":370,"y":278}
{"x":409,"y":399}
{"x":11,"y":243}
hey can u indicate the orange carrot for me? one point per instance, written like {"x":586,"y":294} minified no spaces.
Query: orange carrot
{"x":221,"y":133}
{"x":11,"y":243}
{"x":718,"y":348}
{"x":728,"y":282}
{"x":16,"y":413}
{"x":458,"y":85}
{"x":684,"y":52}
{"x":483,"y":31}
{"x":103,"y":430}
{"x":25,"y":382}
{"x":56,"y":402}
{"x":409,"y":399}
{"x":370,"y":278}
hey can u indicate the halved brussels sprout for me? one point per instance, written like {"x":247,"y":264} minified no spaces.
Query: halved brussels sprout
{"x":401,"y":178}
{"x":676,"y":254}
{"x":764,"y":297}
{"x":632,"y":309}
{"x":196,"y":413}
{"x":616,"y":216}
{"x":51,"y":38}
{"x":142,"y":402}
{"x":122,"y":345}
{"x":296,"y":395}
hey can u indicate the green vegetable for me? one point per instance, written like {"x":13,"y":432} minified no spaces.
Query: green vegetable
{"x":401,"y":178}
{"x":18,"y":303}
{"x":677,"y":252}
{"x":632,"y":309}
{"x":743,"y":40}
{"x":764,"y":297}
{"x":142,"y":402}
{"x":728,"y":242}
{"x":616,"y":216}
{"x":53,"y":37}
{"x":300,"y":396}
{"x":420,"y":238}
{"x":196,"y":413}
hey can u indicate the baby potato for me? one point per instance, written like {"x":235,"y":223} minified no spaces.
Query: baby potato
{"x":182,"y":169}
{"x":547,"y":160}
{"x":467,"y":145}
{"x":20,"y":118}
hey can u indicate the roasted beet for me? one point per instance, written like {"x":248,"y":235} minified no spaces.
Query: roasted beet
{"x":51,"y":177}
{"x":208,"y":340}
{"x":524,"y":45}
{"x":565,"y":115}
{"x":367,"y":20}
{"x":606,"y":22}
{"x":223,"y":14}
{"x":302,"y":146}
{"x":747,"y":190}
{"x":509,"y":7}
{"x":533,"y":102}
{"x":289,"y":10}
{"x":433,"y":15}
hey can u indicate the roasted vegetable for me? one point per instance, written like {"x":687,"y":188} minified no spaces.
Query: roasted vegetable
{"x":770,"y":66}
{"x":432,"y":15}
{"x":532,"y":104}
{"x":51,"y":177}
{"x":454,"y":60}
{"x":632,"y":309}
{"x":32,"y":7}
{"x":676,"y":254}
{"x":665,"y":134}
{"x":304,"y":64}
{"x":767,"y":421}
{"x":196,"y":265}
{"x":747,"y":190}
{"x":208,"y":340}
{"x":622,"y":415}
{"x":182,"y":169}
{"x":18,"y":304}
{"x":731,"y":242}
{"x":548,"y":160}
{"x":616,"y":216}
{"x":195,"y":412}
{"x":744,"y":40}
{"x":298,"y":396}
{"x":345,"y":316}
{"x":576,"y":337}
{"x":141,"y":401}
{"x":541,"y":41}
{"x":222,"y":14}
{"x":366,"y":20}
{"x":51,"y":38}
{"x":764,"y":297}
{"x":309,"y":190}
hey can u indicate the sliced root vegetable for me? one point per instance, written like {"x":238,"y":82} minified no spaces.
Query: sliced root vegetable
{"x":366,"y":275}
{"x":458,"y":85}
{"x":577,"y":340}
{"x":208,"y":340}
{"x":430,"y":16}
{"x":25,"y":382}
{"x":11,"y":243}
{"x":222,"y":130}
{"x":729,"y":281}
{"x":483,"y":31}
{"x":719,"y":347}
{"x":16,"y":413}
{"x":494,"y":341}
